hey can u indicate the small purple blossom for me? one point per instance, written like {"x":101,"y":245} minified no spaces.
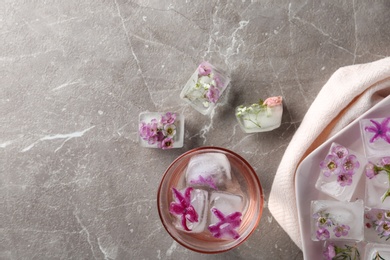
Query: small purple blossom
{"x":167,"y":143}
{"x":350,"y":163}
{"x":375,"y":215}
{"x":384,"y":228}
{"x":331,"y":165}
{"x":339,"y":150}
{"x":380,"y":130}
{"x":385,"y":161}
{"x":344,"y":179}
{"x":227,"y":224}
{"x":208,"y":181}
{"x":341,"y":230}
{"x":371,"y":170}
{"x":322,"y":234}
{"x":322,"y":220}
{"x":204,"y":69}
{"x":168,"y":118}
{"x":329,"y":252}
{"x":213,"y":94}
{"x":182,"y":207}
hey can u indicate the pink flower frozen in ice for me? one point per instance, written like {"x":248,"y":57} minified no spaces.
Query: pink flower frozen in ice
{"x":226,"y":225}
{"x":213,"y":94}
{"x":273,"y":101}
{"x":182,"y":207}
{"x":341,"y":230}
{"x":204,"y":69}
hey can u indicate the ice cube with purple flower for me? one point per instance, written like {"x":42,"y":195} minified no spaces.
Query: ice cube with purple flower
{"x":340,"y":172}
{"x":161,"y":130}
{"x":336,"y":220}
{"x":208,"y":170}
{"x":375,"y":133}
{"x":205,"y":87}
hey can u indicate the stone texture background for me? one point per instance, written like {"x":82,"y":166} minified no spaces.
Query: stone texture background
{"x":74,"y":75}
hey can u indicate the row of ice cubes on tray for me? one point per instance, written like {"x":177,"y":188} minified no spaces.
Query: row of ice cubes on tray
{"x":208,"y":175}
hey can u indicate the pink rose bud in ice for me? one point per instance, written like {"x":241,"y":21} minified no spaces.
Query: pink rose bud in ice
{"x":273,"y":101}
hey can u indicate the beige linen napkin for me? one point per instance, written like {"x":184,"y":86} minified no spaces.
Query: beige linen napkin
{"x":349,"y":92}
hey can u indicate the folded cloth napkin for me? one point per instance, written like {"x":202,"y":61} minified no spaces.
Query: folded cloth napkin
{"x":348,"y":93}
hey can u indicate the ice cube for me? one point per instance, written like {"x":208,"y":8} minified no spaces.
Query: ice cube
{"x":337,"y":220}
{"x":257,"y":118}
{"x":376,"y":188}
{"x":199,"y":201}
{"x":377,"y":222}
{"x":377,"y":251}
{"x":375,"y":138}
{"x":226,"y":205}
{"x":340,"y":172}
{"x":205,"y":87}
{"x":208,"y":170}
{"x":342,"y":249}
{"x":161,"y":130}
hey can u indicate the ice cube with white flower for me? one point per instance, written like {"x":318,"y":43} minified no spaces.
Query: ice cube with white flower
{"x":208,"y":170}
{"x":340,"y":172}
{"x":337,"y":220}
{"x":205,"y":87}
{"x":375,"y":133}
{"x":260,"y":117}
{"x":377,"y":172}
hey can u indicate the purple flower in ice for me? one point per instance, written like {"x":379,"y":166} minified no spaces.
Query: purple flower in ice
{"x":212,"y":94}
{"x":322,"y":234}
{"x":204,"y":69}
{"x":330,"y":165}
{"x":330,"y":252}
{"x":182,"y":207}
{"x":383,"y":228}
{"x":144,"y":131}
{"x":226,"y":225}
{"x":380,"y":130}
{"x":340,"y":151}
{"x":371,"y":170}
{"x":208,"y":181}
{"x":167,"y":143}
{"x":350,"y":163}
{"x":375,"y":215}
{"x":168,"y":118}
{"x":344,"y":179}
{"x":341,"y":230}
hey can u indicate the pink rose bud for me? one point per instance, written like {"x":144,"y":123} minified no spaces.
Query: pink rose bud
{"x":273,"y":101}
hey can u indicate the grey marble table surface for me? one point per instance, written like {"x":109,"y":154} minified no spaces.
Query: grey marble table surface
{"x":74,"y":76}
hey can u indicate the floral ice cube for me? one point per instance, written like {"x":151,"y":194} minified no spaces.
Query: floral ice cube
{"x":342,"y":250}
{"x":210,"y":170}
{"x":190,"y":208}
{"x":340,"y":172}
{"x":226,"y":211}
{"x":377,"y":225}
{"x":161,"y":130}
{"x":260,"y":117}
{"x":377,"y":173}
{"x":205,"y":87}
{"x":375,"y":135}
{"x":337,"y":220}
{"x":376,"y":251}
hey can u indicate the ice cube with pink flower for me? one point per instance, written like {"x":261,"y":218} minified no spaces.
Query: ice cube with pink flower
{"x":260,"y":117}
{"x":375,"y":134}
{"x":163,"y":130}
{"x":340,"y":172}
{"x":205,"y":87}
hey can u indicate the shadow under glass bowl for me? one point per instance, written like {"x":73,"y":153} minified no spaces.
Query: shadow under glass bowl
{"x":244,"y":183}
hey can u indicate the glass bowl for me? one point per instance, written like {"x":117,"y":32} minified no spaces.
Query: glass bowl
{"x":240,"y":192}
